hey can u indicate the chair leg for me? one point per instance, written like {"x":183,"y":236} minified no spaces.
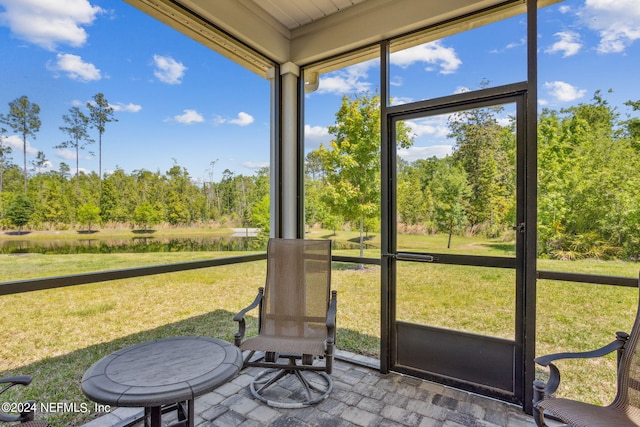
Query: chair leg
{"x":538,"y":395}
{"x":269,"y":382}
{"x":315,"y":390}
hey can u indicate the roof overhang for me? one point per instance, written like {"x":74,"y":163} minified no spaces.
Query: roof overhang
{"x":251,"y":36}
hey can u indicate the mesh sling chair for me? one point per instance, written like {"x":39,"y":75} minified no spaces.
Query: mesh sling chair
{"x":26,"y":417}
{"x":296,"y":325}
{"x":625,"y":408}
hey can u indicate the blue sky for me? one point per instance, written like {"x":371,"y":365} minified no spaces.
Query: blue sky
{"x":178,"y":101}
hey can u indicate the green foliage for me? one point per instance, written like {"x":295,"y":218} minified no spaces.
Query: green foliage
{"x":451,"y":191}
{"x":76,"y":128}
{"x":588,"y":176}
{"x":88,"y":214}
{"x":100,"y":113}
{"x":23,"y":118}
{"x":351,"y":186}
{"x":261,"y":215}
{"x":175,"y":197}
{"x":486,"y":151}
{"x":19,"y":211}
{"x":146,"y":215}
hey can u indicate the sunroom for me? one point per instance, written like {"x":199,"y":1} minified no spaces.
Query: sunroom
{"x":432,"y":301}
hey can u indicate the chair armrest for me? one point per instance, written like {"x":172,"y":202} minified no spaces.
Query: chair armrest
{"x":22,"y":380}
{"x":603,"y":351}
{"x":542,"y":389}
{"x":239,"y":336}
{"x":10,"y":382}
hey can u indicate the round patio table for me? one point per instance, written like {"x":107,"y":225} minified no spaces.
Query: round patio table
{"x":162,"y":372}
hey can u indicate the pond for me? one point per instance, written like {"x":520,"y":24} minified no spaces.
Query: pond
{"x":141,"y":244}
{"x":136,"y":244}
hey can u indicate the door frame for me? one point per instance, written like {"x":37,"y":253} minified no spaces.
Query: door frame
{"x":523,"y":348}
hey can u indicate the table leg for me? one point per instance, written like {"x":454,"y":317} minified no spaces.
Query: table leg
{"x":153,"y":416}
{"x":186,"y":414}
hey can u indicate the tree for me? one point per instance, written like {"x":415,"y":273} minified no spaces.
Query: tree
{"x":100,"y":113}
{"x":486,"y":150}
{"x":39,"y":162}
{"x":23,"y":118}
{"x":5,"y":150}
{"x":261,"y":215}
{"x":352,"y":164}
{"x":588,"y":175}
{"x":146,"y":215}
{"x":450,"y":192}
{"x":415,"y":201}
{"x":19,"y":211}
{"x":88,"y":214}
{"x":77,"y":123}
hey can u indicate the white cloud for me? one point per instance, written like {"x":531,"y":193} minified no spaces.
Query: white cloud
{"x":521,"y":42}
{"x":396,"y":81}
{"x":412,"y":154}
{"x":65,"y":153}
{"x":399,"y":100}
{"x":616,"y":21}
{"x":255,"y":165}
{"x":432,"y":53}
{"x":128,"y":108}
{"x":568,"y":44}
{"x":563,"y":91}
{"x":316,"y":135}
{"x":75,"y":68}
{"x":243,"y":119}
{"x":349,"y":80}
{"x":564,"y":9}
{"x":168,"y":70}
{"x":511,"y":45}
{"x":15,"y":142}
{"x":48,"y":23}
{"x":436,"y":127}
{"x":189,"y":117}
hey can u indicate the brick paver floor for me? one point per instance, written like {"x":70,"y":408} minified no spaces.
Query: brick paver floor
{"x":361,"y":396}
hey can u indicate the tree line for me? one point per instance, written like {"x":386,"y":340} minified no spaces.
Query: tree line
{"x":142,"y":199}
{"x":588,"y":176}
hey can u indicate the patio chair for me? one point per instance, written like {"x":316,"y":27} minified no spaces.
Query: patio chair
{"x":625,"y":408}
{"x":296,"y":325}
{"x":25,"y":417}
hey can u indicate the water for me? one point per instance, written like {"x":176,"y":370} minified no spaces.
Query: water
{"x":85,"y":244}
{"x":137,"y":244}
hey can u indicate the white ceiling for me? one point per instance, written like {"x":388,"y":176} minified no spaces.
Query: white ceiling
{"x":258,"y":33}
{"x":296,"y":13}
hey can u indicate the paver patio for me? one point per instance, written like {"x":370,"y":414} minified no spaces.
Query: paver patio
{"x":361,"y":396}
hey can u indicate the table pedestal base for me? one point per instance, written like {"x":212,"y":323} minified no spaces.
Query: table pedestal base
{"x":185,"y":411}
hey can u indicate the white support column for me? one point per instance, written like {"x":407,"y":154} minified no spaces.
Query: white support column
{"x":289,"y":149}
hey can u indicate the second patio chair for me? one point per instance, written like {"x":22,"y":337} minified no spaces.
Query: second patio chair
{"x":296,"y":325}
{"x":625,"y":408}
{"x":25,"y":417}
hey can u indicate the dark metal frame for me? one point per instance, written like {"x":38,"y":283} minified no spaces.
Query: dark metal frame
{"x":398,"y":354}
{"x":19,"y":286}
{"x":387,"y":260}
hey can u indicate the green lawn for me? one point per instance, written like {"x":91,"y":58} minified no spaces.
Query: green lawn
{"x":55,"y":335}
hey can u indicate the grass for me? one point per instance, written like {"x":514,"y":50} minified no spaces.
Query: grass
{"x":55,"y":335}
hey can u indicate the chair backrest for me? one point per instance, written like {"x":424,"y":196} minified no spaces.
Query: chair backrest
{"x":297,"y":289}
{"x":628,"y":396}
